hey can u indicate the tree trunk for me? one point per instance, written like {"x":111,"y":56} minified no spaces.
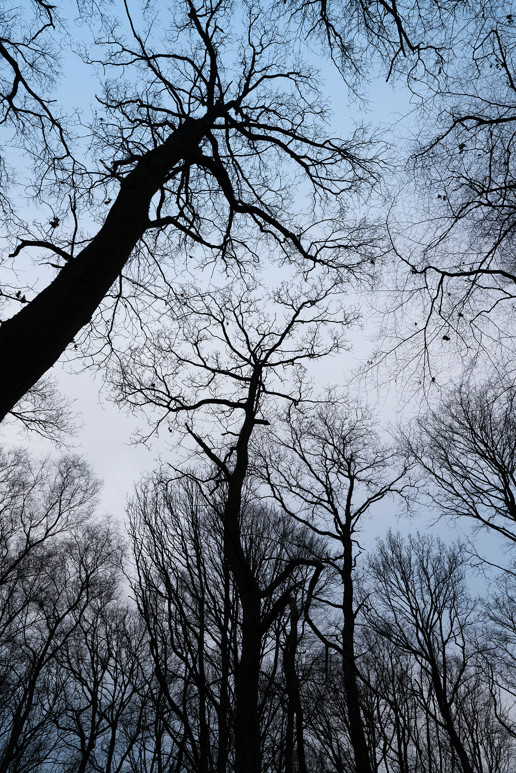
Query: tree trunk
{"x":247,"y":725}
{"x":295,"y":732}
{"x":356,"y":725}
{"x":33,"y":340}
{"x":224,"y":702}
{"x":444,"y":708}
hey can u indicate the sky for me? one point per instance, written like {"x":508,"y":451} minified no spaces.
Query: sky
{"x":105,"y":434}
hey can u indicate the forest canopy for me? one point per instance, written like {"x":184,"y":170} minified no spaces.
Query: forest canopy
{"x":212,"y":208}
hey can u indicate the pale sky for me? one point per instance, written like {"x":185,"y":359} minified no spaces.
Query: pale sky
{"x":104,"y":435}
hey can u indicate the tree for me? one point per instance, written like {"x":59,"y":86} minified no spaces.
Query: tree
{"x":467,"y":446}
{"x":327,"y":471}
{"x":29,"y":53}
{"x":409,"y":734}
{"x":421,"y":606}
{"x":54,"y":564}
{"x":40,"y":504}
{"x":456,"y":253}
{"x":236,"y":358}
{"x":194,"y":150}
{"x":499,"y":650}
{"x":194,"y":617}
{"x":105,"y":710}
{"x":405,"y":736}
{"x":197,"y":151}
{"x":186,"y":603}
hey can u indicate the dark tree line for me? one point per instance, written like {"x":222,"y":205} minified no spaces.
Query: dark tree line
{"x":248,"y":630}
{"x":117,"y":659}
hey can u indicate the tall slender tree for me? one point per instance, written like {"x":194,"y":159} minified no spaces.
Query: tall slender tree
{"x":328,"y":471}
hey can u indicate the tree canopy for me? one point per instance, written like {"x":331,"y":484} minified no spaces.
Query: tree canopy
{"x":194,"y":207}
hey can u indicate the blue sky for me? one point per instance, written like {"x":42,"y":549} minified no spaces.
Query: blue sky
{"x":104,"y":433}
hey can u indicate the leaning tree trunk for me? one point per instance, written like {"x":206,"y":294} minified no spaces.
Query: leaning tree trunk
{"x":444,"y":708}
{"x":33,"y":340}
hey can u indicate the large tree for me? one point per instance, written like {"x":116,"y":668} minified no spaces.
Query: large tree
{"x":200,"y":133}
{"x":217,"y":375}
{"x":205,"y":140}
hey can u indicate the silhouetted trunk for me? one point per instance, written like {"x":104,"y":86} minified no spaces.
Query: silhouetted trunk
{"x":354,"y":710}
{"x":444,"y":708}
{"x":224,"y":703}
{"x":247,"y":725}
{"x":294,"y":740}
{"x":247,"y":731}
{"x":87,"y":747}
{"x":247,"y":728}
{"x":15,"y":743}
{"x":34,"y":339}
{"x":204,"y":738}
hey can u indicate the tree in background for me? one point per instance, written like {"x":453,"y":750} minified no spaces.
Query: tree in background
{"x":327,"y":470}
{"x":92,"y":682}
{"x":237,"y":357}
{"x":421,"y":606}
{"x":466,"y":446}
{"x":195,"y":619}
{"x":56,"y":565}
